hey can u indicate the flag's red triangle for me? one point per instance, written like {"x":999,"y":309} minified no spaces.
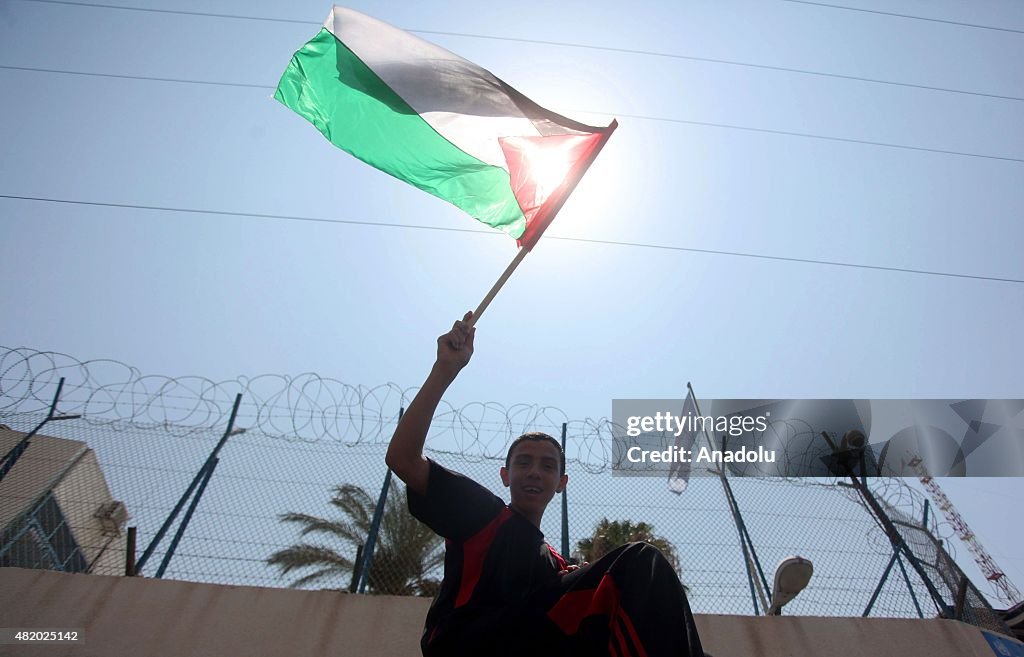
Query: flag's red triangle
{"x":543,"y":171}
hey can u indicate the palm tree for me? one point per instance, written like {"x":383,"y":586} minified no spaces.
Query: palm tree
{"x":406,"y":551}
{"x":610,"y":534}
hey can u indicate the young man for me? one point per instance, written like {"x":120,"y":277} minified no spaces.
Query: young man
{"x":506,"y":591}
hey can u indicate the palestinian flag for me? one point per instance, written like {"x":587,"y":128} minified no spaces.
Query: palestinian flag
{"x":439,"y":122}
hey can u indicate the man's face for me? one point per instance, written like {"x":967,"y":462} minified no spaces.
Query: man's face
{"x":533,"y":475}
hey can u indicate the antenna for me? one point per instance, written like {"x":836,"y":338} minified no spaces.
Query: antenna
{"x":1005,"y":590}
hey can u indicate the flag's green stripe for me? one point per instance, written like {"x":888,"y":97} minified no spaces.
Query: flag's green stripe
{"x":336,"y":92}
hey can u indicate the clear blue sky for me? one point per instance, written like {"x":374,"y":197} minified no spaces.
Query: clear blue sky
{"x":707,"y":156}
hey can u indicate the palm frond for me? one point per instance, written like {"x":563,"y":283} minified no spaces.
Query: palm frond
{"x":319,"y":575}
{"x":406,"y":549}
{"x":304,"y":554}
{"x":313,"y":523}
{"x":355,"y":503}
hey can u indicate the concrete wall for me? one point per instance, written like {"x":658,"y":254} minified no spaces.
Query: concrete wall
{"x":129,"y":616}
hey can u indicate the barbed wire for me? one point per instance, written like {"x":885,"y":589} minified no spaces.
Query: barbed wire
{"x":307,"y":407}
{"x":310,"y":408}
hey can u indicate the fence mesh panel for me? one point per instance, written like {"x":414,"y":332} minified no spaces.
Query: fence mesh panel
{"x":293,"y":493}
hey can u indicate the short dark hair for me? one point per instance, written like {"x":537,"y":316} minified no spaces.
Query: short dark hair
{"x":536,"y":436}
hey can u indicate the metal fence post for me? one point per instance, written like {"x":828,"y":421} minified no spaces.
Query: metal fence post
{"x":191,"y":487}
{"x":12,"y":456}
{"x":565,"y":504}
{"x":129,"y":559}
{"x":371,"y":540}
{"x":881,"y":583}
{"x":896,"y":539}
{"x":357,"y":569}
{"x":188,"y":517}
{"x":910,"y":587}
{"x":750,"y":560}
{"x":378,"y":513}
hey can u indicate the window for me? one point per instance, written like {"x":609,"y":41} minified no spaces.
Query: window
{"x":41,"y":538}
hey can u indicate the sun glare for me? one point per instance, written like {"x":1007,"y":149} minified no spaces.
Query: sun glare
{"x":549,"y":166}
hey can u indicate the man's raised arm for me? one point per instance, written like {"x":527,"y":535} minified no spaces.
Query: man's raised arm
{"x":405,"y":453}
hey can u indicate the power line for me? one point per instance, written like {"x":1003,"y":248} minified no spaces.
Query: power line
{"x":34,"y":69}
{"x":666,"y":247}
{"x":809,"y":261}
{"x":178,"y":12}
{"x":808,"y":135}
{"x":227,"y":213}
{"x":644,"y":117}
{"x":908,"y":16}
{"x":563,"y":44}
{"x":727,"y":62}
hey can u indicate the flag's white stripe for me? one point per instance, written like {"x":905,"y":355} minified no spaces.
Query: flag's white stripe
{"x":462,"y":101}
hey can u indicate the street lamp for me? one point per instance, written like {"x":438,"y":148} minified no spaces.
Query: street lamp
{"x":791,"y":576}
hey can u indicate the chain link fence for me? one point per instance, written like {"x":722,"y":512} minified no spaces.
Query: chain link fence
{"x":291,"y":495}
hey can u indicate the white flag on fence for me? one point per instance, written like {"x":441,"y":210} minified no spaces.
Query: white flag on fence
{"x":679,"y":474}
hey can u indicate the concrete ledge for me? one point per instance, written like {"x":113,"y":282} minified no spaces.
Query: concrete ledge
{"x":133,"y":616}
{"x":130,"y":616}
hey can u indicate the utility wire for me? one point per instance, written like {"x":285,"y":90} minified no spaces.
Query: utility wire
{"x":808,"y":135}
{"x":34,"y":69}
{"x":726,"y":62}
{"x":908,"y":16}
{"x":178,"y":12}
{"x":666,"y":247}
{"x":257,"y":215}
{"x":564,"y":44}
{"x":644,"y":117}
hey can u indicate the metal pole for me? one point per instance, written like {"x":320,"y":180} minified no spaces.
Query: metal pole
{"x":750,"y":542}
{"x":357,"y":569}
{"x":184,"y":521}
{"x":12,"y":456}
{"x":746,"y":562}
{"x":910,"y":587}
{"x":129,"y":560}
{"x":371,"y":540}
{"x":896,"y":539}
{"x":188,"y":492}
{"x":881,"y":583}
{"x":169,"y":521}
{"x":734,"y":509}
{"x":961,"y":598}
{"x":378,"y":513}
{"x":565,"y":504}
{"x":749,"y":562}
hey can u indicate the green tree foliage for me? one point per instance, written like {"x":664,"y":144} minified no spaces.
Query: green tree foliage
{"x":610,"y":534}
{"x":406,"y":551}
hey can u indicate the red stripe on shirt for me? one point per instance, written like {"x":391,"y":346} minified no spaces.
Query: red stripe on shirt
{"x":474,"y":551}
{"x":562,"y":563}
{"x":628,"y":622}
{"x":574,"y":606}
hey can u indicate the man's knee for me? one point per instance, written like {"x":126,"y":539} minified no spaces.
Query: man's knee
{"x":646,"y":552}
{"x":648,"y":549}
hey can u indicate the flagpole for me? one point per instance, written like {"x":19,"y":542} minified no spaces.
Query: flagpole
{"x":498,"y":285}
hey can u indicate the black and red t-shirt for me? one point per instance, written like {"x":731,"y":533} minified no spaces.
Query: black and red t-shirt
{"x":495,"y":563}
